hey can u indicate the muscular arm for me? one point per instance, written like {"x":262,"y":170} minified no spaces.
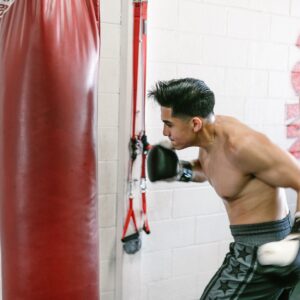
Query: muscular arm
{"x":198,"y":174}
{"x":257,"y":155}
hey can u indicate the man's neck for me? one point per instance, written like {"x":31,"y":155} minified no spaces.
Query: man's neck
{"x":207,"y":135}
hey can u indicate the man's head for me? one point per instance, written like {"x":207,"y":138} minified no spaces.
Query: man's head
{"x":187,"y":97}
{"x":185,"y":105}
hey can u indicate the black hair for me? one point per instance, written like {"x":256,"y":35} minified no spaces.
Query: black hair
{"x":187,"y":97}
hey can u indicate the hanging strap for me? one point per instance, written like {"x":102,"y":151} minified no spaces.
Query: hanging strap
{"x":142,"y":11}
{"x":130,"y":215}
{"x":135,"y":61}
{"x":143,"y":17}
{"x":139,"y":38}
{"x":138,"y":141}
{"x":146,"y":148}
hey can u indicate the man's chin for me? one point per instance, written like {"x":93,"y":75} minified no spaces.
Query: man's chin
{"x":177,"y":147}
{"x":173,"y":144}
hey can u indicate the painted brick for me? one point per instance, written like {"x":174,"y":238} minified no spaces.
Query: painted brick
{"x":248,"y":25}
{"x":188,"y":154}
{"x":292,"y":111}
{"x":170,"y":234}
{"x":131,"y":276}
{"x":212,"y":229}
{"x":284,"y":29}
{"x":156,"y":266}
{"x":234,"y":3}
{"x":108,"y":274}
{"x":202,"y":280}
{"x":280,"y":85}
{"x":110,"y":37}
{"x":295,"y":78}
{"x":175,"y":289}
{"x":185,"y":287}
{"x":205,"y":19}
{"x":213,"y":76}
{"x":167,"y":18}
{"x":236,"y":82}
{"x":274,"y":111}
{"x":153,"y":114}
{"x":224,"y":106}
{"x":109,"y":76}
{"x":159,"y":205}
{"x":294,"y":53}
{"x":276,"y":133}
{"x":107,"y":296}
{"x":265,"y":111}
{"x":189,"y":48}
{"x":223,"y":249}
{"x":245,"y":82}
{"x":281,"y":7}
{"x":193,"y":260}
{"x":293,"y":130}
{"x":108,"y":143}
{"x":268,"y":56}
{"x":108,"y":110}
{"x":108,"y":248}
{"x":255,"y":113}
{"x":173,"y":185}
{"x":160,"y":71}
{"x":144,"y":291}
{"x":160,"y":185}
{"x":258,"y":83}
{"x":221,"y":51}
{"x":166,"y":42}
{"x":107,"y":210}
{"x":110,"y":11}
{"x":155,"y":134}
{"x":295,"y":8}
{"x":107,"y":177}
{"x":195,"y":202}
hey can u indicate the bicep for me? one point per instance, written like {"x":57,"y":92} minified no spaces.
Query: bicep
{"x":282,"y":171}
{"x":271,"y":164}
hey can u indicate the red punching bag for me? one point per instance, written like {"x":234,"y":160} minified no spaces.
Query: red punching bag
{"x":49,"y":54}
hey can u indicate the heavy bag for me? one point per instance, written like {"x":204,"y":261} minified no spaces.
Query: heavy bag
{"x":49,"y":53}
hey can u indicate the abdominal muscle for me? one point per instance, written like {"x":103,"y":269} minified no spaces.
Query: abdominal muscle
{"x":257,"y":202}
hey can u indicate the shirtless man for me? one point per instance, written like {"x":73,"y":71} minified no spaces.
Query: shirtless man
{"x":246,"y":170}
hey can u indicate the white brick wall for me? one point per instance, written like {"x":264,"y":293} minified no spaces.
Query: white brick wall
{"x":295,"y":8}
{"x":108,"y":126}
{"x":196,"y":17}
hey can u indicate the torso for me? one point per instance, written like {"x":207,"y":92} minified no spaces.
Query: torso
{"x":247,"y":199}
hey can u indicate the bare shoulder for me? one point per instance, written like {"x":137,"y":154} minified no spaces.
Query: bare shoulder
{"x":246,"y":146}
{"x":239,"y":136}
{"x":247,"y":139}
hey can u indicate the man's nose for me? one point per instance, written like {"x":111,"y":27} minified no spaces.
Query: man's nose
{"x":165,"y":131}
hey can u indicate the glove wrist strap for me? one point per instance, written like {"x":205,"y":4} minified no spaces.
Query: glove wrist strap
{"x":185,"y":172}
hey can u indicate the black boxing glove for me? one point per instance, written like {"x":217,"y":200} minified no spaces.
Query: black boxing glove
{"x":163,"y":164}
{"x":280,"y":260}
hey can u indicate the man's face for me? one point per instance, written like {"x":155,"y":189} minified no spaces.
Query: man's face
{"x":178,"y":130}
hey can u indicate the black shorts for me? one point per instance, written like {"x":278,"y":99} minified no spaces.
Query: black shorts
{"x":238,"y":277}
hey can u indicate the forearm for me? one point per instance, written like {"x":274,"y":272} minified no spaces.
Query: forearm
{"x":198,"y":174}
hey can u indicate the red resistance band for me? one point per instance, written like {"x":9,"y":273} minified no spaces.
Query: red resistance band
{"x":138,"y":141}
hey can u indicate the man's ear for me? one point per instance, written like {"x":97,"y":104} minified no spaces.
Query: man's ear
{"x":197,"y":124}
